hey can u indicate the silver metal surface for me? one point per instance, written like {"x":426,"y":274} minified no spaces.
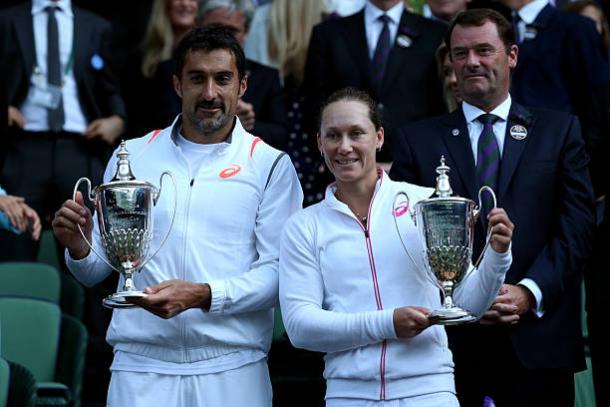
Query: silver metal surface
{"x":124,"y":212}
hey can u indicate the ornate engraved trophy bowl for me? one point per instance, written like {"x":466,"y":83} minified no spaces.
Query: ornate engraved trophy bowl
{"x":445,"y":224}
{"x":124,"y":208}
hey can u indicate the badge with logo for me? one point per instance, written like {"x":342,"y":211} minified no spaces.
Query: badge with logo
{"x":404,"y":41}
{"x":455,"y":132}
{"x":518,"y":132}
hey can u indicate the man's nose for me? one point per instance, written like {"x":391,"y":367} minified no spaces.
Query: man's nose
{"x":472,"y":59}
{"x":208,"y":90}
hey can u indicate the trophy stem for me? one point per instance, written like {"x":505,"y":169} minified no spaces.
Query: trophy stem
{"x":128,"y":286}
{"x":447,"y":291}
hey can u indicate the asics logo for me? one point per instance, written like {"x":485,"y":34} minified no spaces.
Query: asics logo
{"x":229,"y":172}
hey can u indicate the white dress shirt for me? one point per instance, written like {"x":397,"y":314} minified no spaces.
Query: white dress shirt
{"x":527,"y":15}
{"x":373,"y":25}
{"x":36,"y":115}
{"x":471,"y":113}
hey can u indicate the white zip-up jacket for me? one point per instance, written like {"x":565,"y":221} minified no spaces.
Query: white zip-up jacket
{"x":340,"y":284}
{"x":226,"y":234}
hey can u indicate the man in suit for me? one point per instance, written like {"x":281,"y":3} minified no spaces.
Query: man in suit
{"x":526,"y":348}
{"x":561,"y":61}
{"x":384,"y":50}
{"x":64,"y":105}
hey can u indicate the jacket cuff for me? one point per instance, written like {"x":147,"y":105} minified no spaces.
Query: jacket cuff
{"x":219,"y":295}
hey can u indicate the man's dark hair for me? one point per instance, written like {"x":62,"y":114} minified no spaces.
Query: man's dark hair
{"x":210,"y":39}
{"x":479,"y":16}
{"x":352,"y":94}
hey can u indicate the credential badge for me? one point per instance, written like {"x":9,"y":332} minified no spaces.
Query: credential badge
{"x":518,"y":132}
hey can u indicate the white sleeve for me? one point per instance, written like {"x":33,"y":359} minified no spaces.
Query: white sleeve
{"x":478,"y":290}
{"x":257,"y":289}
{"x":308,"y":325}
{"x":91,"y":270}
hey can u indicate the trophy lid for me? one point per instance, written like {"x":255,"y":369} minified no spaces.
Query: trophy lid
{"x":443,"y":187}
{"x":123,"y":166}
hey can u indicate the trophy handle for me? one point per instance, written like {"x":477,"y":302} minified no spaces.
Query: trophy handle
{"x":402,"y":242}
{"x":478,"y":211}
{"x":92,"y":197}
{"x":155,"y":200}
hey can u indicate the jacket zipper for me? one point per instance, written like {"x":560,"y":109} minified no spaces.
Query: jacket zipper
{"x":369,"y":248}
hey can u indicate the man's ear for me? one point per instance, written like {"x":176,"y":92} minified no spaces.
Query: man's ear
{"x":243,"y":85}
{"x":177,"y":86}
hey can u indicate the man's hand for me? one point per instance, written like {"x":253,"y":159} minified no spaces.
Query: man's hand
{"x":410,"y":321}
{"x":107,"y":129}
{"x":20,"y":215}
{"x":245,"y":112}
{"x":71,"y":214}
{"x":512,"y":302}
{"x":15,"y":117}
{"x":171,"y":297}
{"x":501,"y":230}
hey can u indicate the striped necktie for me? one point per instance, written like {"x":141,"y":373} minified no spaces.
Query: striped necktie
{"x":488,"y":158}
{"x":382,"y":51}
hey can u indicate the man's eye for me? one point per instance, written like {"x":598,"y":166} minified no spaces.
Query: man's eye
{"x":485,"y":51}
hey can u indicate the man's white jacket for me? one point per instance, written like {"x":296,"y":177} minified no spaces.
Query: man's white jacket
{"x":340,"y":283}
{"x":226,"y":233}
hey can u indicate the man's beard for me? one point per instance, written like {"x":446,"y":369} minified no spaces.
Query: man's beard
{"x":209,"y":125}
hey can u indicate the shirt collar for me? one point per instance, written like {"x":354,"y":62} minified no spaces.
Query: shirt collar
{"x":472,"y":112}
{"x":372,"y":13}
{"x":65,"y":6}
{"x":530,"y":11}
{"x":177,"y":129}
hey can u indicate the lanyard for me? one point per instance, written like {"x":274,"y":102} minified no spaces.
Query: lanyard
{"x":69,"y":63}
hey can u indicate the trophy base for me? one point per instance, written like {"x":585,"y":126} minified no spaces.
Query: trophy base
{"x":120,"y":299}
{"x":451,"y":316}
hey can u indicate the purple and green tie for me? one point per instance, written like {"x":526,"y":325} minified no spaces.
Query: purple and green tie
{"x":382,"y":51}
{"x":488,"y":159}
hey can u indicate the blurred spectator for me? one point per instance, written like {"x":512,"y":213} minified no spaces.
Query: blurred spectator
{"x":261,"y":110}
{"x":451,"y":92}
{"x":444,"y":10}
{"x":595,"y":273}
{"x":384,"y":50}
{"x":560,"y":61}
{"x":149,"y":92}
{"x":592,"y":10}
{"x":17,"y":217}
{"x":64,"y":110}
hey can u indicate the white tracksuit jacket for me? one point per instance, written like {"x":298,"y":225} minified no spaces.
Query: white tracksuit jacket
{"x":339,"y":285}
{"x":226,"y":233}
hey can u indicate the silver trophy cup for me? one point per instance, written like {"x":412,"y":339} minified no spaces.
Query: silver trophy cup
{"x":124,"y":213}
{"x":446,"y":227}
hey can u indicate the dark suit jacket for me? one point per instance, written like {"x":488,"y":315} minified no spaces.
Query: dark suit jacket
{"x":98,"y":89}
{"x":560,"y":66}
{"x":153,"y":103}
{"x":338,"y":57}
{"x":544,"y":187}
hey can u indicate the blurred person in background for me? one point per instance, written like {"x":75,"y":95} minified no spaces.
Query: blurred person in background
{"x":148,"y":89}
{"x":451,"y":92}
{"x":261,"y":110}
{"x":595,"y":272}
{"x":443,"y":10}
{"x":385,"y":50}
{"x":64,"y":106}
